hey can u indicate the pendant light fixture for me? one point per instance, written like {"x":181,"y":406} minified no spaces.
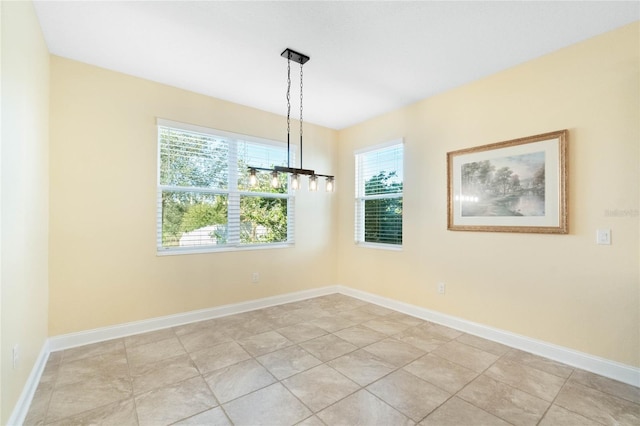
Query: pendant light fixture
{"x":295,"y":173}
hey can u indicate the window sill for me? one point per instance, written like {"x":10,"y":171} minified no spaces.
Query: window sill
{"x":193,"y":250}
{"x":392,"y":247}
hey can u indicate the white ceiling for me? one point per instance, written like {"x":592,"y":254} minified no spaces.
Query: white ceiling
{"x":367,"y":58}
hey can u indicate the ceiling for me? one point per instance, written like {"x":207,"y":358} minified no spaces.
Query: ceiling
{"x":367,"y":58}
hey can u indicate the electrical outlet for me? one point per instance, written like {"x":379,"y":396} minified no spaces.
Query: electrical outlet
{"x":14,"y":355}
{"x":441,"y":288}
{"x":255,"y":277}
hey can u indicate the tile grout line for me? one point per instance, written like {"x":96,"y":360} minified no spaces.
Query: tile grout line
{"x":451,"y":396}
{"x":313,"y":413}
{"x":590,"y":388}
{"x":254,"y":358}
{"x":99,"y":406}
{"x":325,"y":363}
{"x":53,"y":389}
{"x":396,"y":369}
{"x":205,"y":382}
{"x":456,"y":394}
{"x":133,"y":396}
{"x":551,"y":403}
{"x":529,"y":393}
{"x":474,"y":405}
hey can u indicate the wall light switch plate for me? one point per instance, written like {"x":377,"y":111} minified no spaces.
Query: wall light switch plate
{"x":603,"y":237}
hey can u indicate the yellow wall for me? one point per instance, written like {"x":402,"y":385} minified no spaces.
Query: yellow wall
{"x":103,"y":264}
{"x":562,"y":289}
{"x":24,"y":197}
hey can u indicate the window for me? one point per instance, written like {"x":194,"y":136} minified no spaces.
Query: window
{"x":379,"y":179}
{"x":204,"y":199}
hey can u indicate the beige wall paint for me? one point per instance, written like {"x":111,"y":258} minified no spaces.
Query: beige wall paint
{"x":562,"y":289}
{"x":103,"y":264}
{"x":24,"y":182}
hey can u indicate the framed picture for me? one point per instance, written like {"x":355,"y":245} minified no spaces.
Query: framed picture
{"x":513,"y":186}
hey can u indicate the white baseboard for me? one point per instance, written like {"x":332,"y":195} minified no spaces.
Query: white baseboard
{"x":614,"y":370}
{"x":71,"y":340}
{"x":24,"y":402}
{"x":604,"y":367}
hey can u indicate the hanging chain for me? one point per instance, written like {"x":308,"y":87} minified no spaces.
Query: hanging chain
{"x":288,"y":95}
{"x":300,"y":101}
{"x":300,"y":114}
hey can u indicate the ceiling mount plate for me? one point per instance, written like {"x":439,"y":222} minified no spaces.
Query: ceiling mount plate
{"x":295,"y":56}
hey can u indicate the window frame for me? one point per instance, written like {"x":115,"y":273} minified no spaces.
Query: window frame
{"x":361,"y":198}
{"x":233,"y":194}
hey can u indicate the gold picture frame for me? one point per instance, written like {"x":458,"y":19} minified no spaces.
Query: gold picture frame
{"x":518,"y":185}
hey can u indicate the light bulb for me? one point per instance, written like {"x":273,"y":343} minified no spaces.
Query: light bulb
{"x":329,"y":184}
{"x":253,"y":179}
{"x":313,"y":183}
{"x":274,"y":179}
{"x":295,"y":181}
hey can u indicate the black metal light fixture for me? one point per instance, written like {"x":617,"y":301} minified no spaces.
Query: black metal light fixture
{"x":292,"y":55}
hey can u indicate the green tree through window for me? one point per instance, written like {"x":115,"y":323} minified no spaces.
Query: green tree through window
{"x":383,"y":216}
{"x":379,"y":198}
{"x":203,"y":197}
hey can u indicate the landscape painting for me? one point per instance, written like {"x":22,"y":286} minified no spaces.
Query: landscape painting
{"x":512,"y":186}
{"x":507,"y":186}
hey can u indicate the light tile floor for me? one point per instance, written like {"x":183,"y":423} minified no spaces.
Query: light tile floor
{"x":331,"y":360}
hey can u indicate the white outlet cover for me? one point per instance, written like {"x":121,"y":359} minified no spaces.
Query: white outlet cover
{"x":603,"y":237}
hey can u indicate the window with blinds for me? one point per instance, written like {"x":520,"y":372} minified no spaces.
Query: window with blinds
{"x":204,"y":199}
{"x":379,"y":181}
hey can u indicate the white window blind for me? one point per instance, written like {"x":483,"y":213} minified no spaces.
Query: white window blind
{"x":379,"y":186}
{"x":204,"y":199}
